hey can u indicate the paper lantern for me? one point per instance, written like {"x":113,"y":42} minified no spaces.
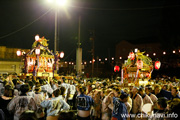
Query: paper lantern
{"x":116,"y":68}
{"x":37,"y":51}
{"x":157,"y":65}
{"x":61,"y":55}
{"x":132,"y":55}
{"x":139,"y":64}
{"x":18,"y":53}
{"x":37,"y":37}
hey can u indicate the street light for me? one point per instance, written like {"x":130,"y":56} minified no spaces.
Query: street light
{"x":56,"y":4}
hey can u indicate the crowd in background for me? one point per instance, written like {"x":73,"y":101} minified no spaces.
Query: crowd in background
{"x":42,"y":98}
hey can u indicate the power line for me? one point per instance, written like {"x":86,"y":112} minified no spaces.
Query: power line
{"x":70,"y":53}
{"x":7,"y":35}
{"x":123,"y":9}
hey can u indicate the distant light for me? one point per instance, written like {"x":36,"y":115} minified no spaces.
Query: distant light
{"x":105,"y":59}
{"x":94,"y":60}
{"x":164,"y":53}
{"x":81,"y":63}
{"x":154,"y":54}
{"x":72,"y":63}
{"x":135,"y":50}
{"x":112,"y":58}
{"x":69,"y":62}
{"x":174,"y":51}
{"x":147,"y":54}
{"x":85,"y":63}
{"x":90,"y":61}
{"x":37,"y":37}
{"x":65,"y":62}
{"x":120,"y":58}
{"x":179,"y":50}
{"x":18,"y":53}
{"x":99,"y":59}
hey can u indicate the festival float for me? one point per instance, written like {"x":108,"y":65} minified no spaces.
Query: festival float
{"x":40,"y":61}
{"x":137,"y":69}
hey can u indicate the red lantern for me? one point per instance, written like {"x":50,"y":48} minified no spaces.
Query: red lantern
{"x":131,"y":55}
{"x":139,"y":64}
{"x":157,"y":65}
{"x":18,"y":53}
{"x":116,"y":68}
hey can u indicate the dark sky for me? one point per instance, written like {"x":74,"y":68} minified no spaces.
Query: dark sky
{"x":112,"y":21}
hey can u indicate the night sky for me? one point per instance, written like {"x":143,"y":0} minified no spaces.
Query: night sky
{"x":112,"y":21}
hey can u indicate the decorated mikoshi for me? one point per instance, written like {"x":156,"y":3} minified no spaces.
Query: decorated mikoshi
{"x":137,"y":69}
{"x":40,"y":61}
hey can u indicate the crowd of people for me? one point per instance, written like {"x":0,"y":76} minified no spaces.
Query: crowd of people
{"x":42,"y":98}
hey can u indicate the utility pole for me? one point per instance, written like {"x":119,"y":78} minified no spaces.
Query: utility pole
{"x":79,"y":51}
{"x":56,"y":30}
{"x":92,"y":37}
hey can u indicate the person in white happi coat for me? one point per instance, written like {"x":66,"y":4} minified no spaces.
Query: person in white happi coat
{"x":145,"y":97}
{"x":137,"y":101}
{"x":152,"y":96}
{"x":67,"y":91}
{"x":39,"y":97}
{"x":22,"y":103}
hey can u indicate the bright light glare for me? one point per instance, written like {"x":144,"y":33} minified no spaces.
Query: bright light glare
{"x":50,"y":1}
{"x":61,"y":2}
{"x":58,"y":2}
